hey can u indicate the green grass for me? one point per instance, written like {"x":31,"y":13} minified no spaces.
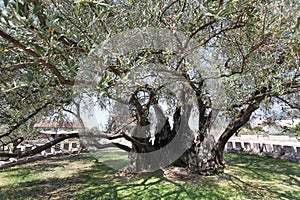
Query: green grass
{"x":83,"y":177}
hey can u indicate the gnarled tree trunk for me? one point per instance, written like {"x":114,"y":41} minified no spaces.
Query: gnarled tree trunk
{"x":206,"y":156}
{"x":201,"y":154}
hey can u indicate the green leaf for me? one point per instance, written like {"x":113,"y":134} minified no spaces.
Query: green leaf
{"x":297,"y":26}
{"x":5,"y":3}
{"x":36,"y":9}
{"x":38,"y":49}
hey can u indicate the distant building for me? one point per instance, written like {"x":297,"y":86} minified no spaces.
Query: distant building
{"x":54,"y":129}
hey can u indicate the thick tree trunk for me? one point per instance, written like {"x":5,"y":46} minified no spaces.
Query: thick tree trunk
{"x":163,"y":153}
{"x":140,"y":158}
{"x":204,"y":155}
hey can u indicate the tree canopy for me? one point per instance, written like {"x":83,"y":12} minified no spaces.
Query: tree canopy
{"x":44,"y":44}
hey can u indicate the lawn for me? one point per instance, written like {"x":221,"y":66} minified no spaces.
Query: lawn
{"x":84,"y":177}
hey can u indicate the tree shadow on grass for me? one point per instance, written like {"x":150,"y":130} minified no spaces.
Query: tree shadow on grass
{"x":261,"y":174}
{"x":40,"y":189}
{"x":48,"y":164}
{"x":101,"y":182}
{"x":262,"y":163}
{"x":99,"y":185}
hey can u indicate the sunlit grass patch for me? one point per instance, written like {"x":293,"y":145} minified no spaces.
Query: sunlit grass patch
{"x":87,"y":177}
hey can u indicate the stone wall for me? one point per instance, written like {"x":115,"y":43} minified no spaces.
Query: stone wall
{"x":283,"y":147}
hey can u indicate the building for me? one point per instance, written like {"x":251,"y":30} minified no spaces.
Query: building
{"x":53,"y":129}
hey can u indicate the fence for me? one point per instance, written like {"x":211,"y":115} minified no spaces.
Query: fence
{"x":65,"y":147}
{"x":283,"y":147}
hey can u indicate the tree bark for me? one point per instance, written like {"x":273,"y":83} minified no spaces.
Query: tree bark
{"x":206,"y":155}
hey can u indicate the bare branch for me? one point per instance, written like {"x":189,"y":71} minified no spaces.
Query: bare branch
{"x":137,"y":143}
{"x":19,"y":66}
{"x":165,"y":10}
{"x":290,"y":104}
{"x":127,"y":137}
{"x":39,"y":149}
{"x":123,"y":147}
{"x":202,"y":27}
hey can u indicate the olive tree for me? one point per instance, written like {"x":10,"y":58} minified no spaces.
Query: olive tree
{"x":255,"y":45}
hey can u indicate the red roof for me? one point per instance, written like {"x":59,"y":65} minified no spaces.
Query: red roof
{"x":56,"y":124}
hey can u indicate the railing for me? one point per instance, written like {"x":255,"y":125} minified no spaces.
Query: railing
{"x":283,"y":147}
{"x":65,"y":147}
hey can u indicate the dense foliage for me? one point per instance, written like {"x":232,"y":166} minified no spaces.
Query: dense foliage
{"x":43,"y":45}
